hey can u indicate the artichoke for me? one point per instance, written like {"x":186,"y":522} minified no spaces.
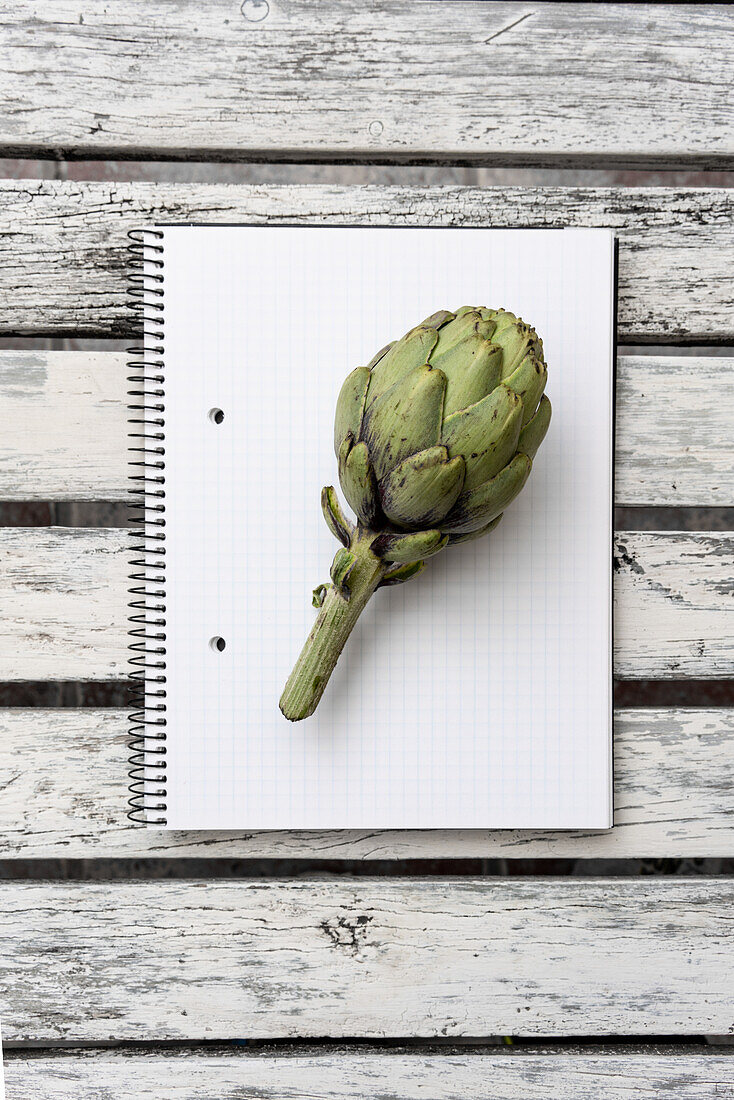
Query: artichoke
{"x":435,"y":437}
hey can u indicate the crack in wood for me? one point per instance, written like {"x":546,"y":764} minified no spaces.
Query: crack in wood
{"x":509,"y":27}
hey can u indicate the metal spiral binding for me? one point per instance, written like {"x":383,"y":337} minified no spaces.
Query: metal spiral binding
{"x":147,"y":732}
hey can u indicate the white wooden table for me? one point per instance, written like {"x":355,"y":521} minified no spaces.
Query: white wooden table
{"x":287,"y":961}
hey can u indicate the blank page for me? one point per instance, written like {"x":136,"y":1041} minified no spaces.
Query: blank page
{"x":477,"y":694}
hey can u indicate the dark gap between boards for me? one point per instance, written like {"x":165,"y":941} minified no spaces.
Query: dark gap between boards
{"x":236,"y":164}
{"x":117,"y":514}
{"x":491,"y":1046}
{"x":112,"y":344}
{"x":627,"y":693}
{"x":121,"y":869}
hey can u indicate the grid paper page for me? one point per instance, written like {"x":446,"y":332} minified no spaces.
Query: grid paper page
{"x":476,"y":695}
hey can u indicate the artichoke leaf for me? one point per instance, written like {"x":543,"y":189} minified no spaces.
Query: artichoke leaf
{"x":473,"y":369}
{"x":406,"y":419}
{"x":423,"y":488}
{"x":381,"y":353}
{"x":341,"y":567}
{"x":401,"y":573}
{"x":534,"y":431}
{"x":350,"y":405}
{"x":528,"y":381}
{"x":454,"y":332}
{"x":319,"y":595}
{"x":402,"y":358}
{"x":517,"y":341}
{"x":336,"y":521}
{"x":358,"y":481}
{"x":437,"y":319}
{"x":484,"y":313}
{"x":478,"y":507}
{"x":505,"y":322}
{"x":454,"y":540}
{"x":407,"y":548}
{"x":486,"y":434}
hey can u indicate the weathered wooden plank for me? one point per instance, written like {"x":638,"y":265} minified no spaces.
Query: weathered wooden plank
{"x":64,"y":795}
{"x":237,"y":1075}
{"x":668,"y":590}
{"x":65,"y":614}
{"x":674,"y":430}
{"x":386,"y":82}
{"x":64,"y":261}
{"x":65,"y":617}
{"x":65,"y":431}
{"x":173,"y":959}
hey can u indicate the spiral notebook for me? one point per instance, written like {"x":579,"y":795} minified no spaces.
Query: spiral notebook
{"x":476,"y":695}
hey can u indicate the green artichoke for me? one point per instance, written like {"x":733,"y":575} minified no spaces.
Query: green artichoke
{"x":435,"y":437}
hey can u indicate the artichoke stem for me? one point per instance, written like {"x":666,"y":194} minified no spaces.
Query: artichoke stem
{"x":338,"y":614}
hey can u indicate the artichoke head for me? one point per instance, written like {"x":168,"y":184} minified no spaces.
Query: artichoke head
{"x":437,"y":434}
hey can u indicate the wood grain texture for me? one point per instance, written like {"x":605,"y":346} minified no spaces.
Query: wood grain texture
{"x":237,"y":1075}
{"x":500,"y":83}
{"x":674,"y":439}
{"x":64,"y":794}
{"x":376,"y":958}
{"x":63,"y":267}
{"x":65,"y":616}
{"x":65,"y":428}
{"x":668,"y":588}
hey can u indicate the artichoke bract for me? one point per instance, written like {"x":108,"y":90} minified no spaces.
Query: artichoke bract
{"x":435,"y":437}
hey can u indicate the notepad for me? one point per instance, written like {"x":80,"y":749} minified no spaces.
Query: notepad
{"x":478,"y":694}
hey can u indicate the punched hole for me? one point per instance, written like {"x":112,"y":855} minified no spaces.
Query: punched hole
{"x":217,"y":644}
{"x":216,"y":416}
